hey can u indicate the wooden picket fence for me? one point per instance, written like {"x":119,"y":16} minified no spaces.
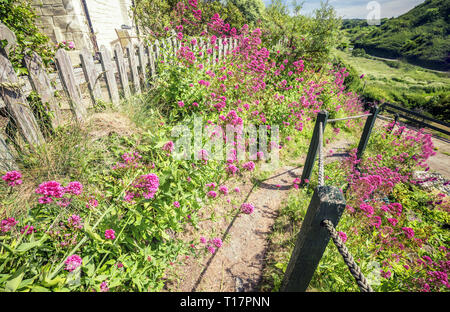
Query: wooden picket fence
{"x":129,"y":71}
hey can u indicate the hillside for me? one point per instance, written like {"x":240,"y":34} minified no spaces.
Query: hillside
{"x":421,"y":36}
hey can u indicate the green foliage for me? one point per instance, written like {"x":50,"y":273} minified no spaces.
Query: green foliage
{"x":399,"y":82}
{"x":421,"y":35}
{"x":19,"y":17}
{"x":299,"y":35}
{"x":252,"y":10}
{"x":157,"y":18}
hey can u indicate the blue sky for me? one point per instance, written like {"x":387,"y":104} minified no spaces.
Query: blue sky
{"x":358,"y":8}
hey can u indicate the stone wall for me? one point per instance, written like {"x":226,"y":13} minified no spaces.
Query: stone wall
{"x":65,"y":20}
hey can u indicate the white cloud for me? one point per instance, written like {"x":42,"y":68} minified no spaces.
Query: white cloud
{"x":358,"y":8}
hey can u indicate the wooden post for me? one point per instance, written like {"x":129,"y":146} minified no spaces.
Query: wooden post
{"x":87,"y":62}
{"x":122,"y":70}
{"x":142,"y":63}
{"x":367,"y":131}
{"x":108,"y":69}
{"x":40,"y":82}
{"x":327,"y":203}
{"x":131,"y":53}
{"x":7,"y":162}
{"x":313,"y":146}
{"x":70,"y":85}
{"x":16,"y":104}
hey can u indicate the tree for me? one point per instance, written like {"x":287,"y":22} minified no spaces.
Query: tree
{"x":301,"y":36}
{"x":252,"y":10}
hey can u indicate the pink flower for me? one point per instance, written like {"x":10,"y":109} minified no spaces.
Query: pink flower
{"x":104,"y":287}
{"x":211,"y":249}
{"x":409,"y":232}
{"x":92,"y":203}
{"x":75,"y":221}
{"x":250,"y":166}
{"x":109,"y":234}
{"x":146,"y":186}
{"x":50,"y":190}
{"x":217,"y":242}
{"x":13,"y":178}
{"x":73,"y":262}
{"x":386,"y":275}
{"x":7,"y":224}
{"x":169,"y":146}
{"x":392,"y":221}
{"x":176,"y":204}
{"x":202,"y":240}
{"x":237,"y":190}
{"x":212,"y":194}
{"x":247,"y":208}
{"x":74,"y":188}
{"x":223,"y":189}
{"x":343,"y":236}
{"x":28,"y":229}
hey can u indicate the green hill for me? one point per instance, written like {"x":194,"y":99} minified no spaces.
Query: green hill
{"x":421,"y":36}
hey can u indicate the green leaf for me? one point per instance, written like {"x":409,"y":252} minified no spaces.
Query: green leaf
{"x":88,"y":230}
{"x":27,"y":246}
{"x":14,"y":281}
{"x":37,"y":288}
{"x":7,"y":247}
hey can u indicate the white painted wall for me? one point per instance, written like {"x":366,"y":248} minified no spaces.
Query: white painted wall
{"x":65,"y":20}
{"x":108,"y":15}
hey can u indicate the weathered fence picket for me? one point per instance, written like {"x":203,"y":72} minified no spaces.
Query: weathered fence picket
{"x":41,"y":84}
{"x":156,"y":45}
{"x":123,"y":75}
{"x":7,"y":162}
{"x":92,"y":77}
{"x":151,"y":60}
{"x":131,"y":54}
{"x":65,"y":70}
{"x":16,"y":104}
{"x":110,"y":77}
{"x":142,"y":64}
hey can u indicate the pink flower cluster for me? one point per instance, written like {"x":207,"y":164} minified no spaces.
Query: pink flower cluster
{"x":130,"y":160}
{"x":7,"y":224}
{"x":54,"y":191}
{"x":73,"y":262}
{"x":211,"y":244}
{"x":75,"y":221}
{"x":13,"y":178}
{"x":145,"y":186}
{"x":110,"y":234}
{"x":247,"y":208}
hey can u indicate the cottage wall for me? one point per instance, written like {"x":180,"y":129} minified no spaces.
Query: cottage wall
{"x":66,"y":20}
